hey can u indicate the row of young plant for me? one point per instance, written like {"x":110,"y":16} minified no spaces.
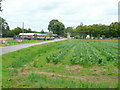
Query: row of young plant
{"x":85,"y":55}
{"x":61,"y":52}
{"x":97,"y":57}
{"x":78,"y":56}
{"x":95,"y":53}
{"x":111,"y":54}
{"x":110,"y":47}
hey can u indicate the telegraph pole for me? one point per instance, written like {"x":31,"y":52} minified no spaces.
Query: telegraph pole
{"x":23,"y":30}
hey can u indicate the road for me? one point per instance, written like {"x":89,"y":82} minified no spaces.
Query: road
{"x":7,"y":49}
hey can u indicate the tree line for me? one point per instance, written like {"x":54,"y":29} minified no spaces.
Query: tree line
{"x":81,"y":31}
{"x":57,"y":27}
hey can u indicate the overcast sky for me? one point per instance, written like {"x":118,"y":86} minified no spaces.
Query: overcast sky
{"x":36,"y":14}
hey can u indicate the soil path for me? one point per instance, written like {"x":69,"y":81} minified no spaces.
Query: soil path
{"x":7,"y":49}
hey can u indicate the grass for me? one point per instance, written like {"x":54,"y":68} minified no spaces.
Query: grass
{"x":42,"y":81}
{"x":14,"y":42}
{"x":30,"y":67}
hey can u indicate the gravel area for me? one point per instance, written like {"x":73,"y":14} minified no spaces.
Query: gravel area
{"x":7,"y":49}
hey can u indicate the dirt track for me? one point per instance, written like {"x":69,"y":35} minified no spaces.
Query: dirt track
{"x":7,"y":49}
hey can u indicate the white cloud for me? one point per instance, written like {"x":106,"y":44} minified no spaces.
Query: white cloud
{"x":37,"y":13}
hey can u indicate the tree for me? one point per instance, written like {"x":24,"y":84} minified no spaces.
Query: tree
{"x":51,"y":24}
{"x":29,"y":30}
{"x":98,"y":30}
{"x":8,"y":28}
{"x":42,"y":31}
{"x":4,"y":28}
{"x":69,"y":30}
{"x":50,"y":34}
{"x":3,"y":23}
{"x":80,"y":31}
{"x":114,"y":29}
{"x":56,"y":27}
{"x":17,"y":30}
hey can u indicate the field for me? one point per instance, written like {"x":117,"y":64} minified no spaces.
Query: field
{"x":14,"y":42}
{"x":63,"y":64}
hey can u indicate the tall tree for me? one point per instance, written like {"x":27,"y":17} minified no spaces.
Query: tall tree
{"x":56,"y":27}
{"x":80,"y":31}
{"x":4,"y":28}
{"x":51,"y":24}
{"x":114,"y":29}
{"x":3,"y":23}
{"x":69,"y":30}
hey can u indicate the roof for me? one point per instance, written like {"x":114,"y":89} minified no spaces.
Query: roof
{"x":31,"y":34}
{"x":54,"y":34}
{"x":38,"y":34}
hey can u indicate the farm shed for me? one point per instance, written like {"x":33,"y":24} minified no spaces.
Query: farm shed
{"x":37,"y":36}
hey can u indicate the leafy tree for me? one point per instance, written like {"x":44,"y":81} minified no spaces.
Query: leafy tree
{"x":8,"y":28}
{"x":81,"y":31}
{"x":51,"y":24}
{"x":3,"y":23}
{"x":50,"y":34}
{"x":69,"y":30}
{"x":114,"y":29}
{"x":4,"y":28}
{"x":17,"y":30}
{"x":29,"y":30}
{"x":98,"y":30}
{"x":56,"y":27}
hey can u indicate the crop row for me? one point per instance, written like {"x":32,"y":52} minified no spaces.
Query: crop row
{"x":85,"y":53}
{"x":61,"y":52}
{"x":111,"y":54}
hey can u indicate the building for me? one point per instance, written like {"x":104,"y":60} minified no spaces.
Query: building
{"x":36,"y":36}
{"x":88,"y":37}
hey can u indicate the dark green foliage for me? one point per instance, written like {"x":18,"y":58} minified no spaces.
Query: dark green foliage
{"x":56,"y":27}
{"x":98,"y":30}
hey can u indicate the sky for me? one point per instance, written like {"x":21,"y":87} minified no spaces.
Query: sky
{"x":36,"y":14}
